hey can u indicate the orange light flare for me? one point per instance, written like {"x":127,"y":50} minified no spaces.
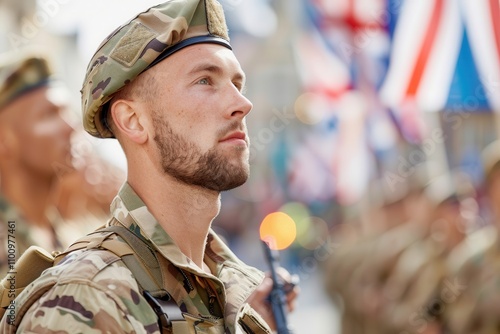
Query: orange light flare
{"x":279,"y":230}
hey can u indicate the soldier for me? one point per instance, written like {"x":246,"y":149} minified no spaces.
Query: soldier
{"x":491,"y":166}
{"x":413,"y":298}
{"x":475,"y":264}
{"x":169,"y":88}
{"x":42,"y":195}
{"x":358,"y":269}
{"x":34,"y":138}
{"x":394,"y":275}
{"x":380,"y":255}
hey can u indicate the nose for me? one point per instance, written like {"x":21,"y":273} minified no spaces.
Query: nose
{"x":240,"y":106}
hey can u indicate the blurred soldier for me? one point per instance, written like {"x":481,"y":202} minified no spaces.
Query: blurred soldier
{"x":367,"y":283}
{"x":413,"y":302}
{"x":358,"y":268}
{"x":491,"y":165}
{"x":42,"y":195}
{"x":34,"y":139}
{"x":397,"y":273}
{"x":169,"y":88}
{"x":353,"y":241}
{"x":476,"y":264}
{"x":83,"y":196}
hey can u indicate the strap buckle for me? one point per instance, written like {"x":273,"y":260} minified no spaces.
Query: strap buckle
{"x":165,"y":308}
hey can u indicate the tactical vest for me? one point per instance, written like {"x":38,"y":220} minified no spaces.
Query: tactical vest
{"x":135,"y":253}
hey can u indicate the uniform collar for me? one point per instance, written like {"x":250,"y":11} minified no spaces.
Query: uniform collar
{"x":129,"y":209}
{"x":237,"y":279}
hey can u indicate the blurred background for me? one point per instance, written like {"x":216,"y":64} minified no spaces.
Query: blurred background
{"x":359,"y":105}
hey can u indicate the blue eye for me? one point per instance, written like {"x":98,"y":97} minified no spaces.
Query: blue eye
{"x":203,"y":81}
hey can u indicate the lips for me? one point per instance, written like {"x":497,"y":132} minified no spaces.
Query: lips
{"x":234,"y":136}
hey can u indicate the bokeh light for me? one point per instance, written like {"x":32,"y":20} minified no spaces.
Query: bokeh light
{"x":278,"y":230}
{"x":300,"y":215}
{"x":315,"y":236}
{"x":309,"y":108}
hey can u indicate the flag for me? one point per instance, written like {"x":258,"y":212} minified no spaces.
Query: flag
{"x":437,"y":46}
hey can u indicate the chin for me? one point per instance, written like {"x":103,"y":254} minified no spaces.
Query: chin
{"x":229,"y":182}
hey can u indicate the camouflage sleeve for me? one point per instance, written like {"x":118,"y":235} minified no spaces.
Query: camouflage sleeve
{"x":102,"y":305}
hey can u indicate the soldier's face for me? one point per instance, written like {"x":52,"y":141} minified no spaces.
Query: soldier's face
{"x":42,"y":135}
{"x":199,"y":115}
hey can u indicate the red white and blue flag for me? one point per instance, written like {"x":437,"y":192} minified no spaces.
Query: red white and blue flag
{"x":445,"y":55}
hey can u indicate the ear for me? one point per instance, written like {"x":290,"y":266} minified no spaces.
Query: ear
{"x":128,"y":121}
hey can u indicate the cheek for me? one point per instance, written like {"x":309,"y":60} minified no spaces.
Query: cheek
{"x":200,"y":135}
{"x":45,"y":129}
{"x":198,"y":129}
{"x":193,"y":116}
{"x":45,"y":138}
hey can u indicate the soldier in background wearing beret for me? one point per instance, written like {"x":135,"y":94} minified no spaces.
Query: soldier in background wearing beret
{"x":44,"y":200}
{"x":168,"y":86}
{"x":33,"y":137}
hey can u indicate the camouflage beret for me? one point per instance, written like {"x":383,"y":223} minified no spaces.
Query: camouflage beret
{"x":20,"y":75}
{"x":142,"y":43}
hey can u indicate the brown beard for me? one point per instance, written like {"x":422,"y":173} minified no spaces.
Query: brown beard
{"x":184,"y":161}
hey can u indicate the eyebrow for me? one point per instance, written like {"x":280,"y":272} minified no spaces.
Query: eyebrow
{"x":211,"y":68}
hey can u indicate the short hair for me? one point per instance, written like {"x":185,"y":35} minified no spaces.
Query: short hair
{"x":144,"y":86}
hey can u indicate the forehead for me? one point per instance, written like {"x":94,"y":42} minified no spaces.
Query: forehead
{"x":33,"y":103}
{"x":193,"y":56}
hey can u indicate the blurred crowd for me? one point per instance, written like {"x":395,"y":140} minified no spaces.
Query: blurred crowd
{"x":425,"y":262}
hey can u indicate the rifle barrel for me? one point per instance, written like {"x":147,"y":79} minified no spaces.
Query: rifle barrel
{"x":277,"y":296}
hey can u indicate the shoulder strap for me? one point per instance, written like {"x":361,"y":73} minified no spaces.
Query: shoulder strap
{"x":142,"y":262}
{"x":140,"y":258}
{"x":29,"y":267}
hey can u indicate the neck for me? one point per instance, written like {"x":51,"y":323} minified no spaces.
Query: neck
{"x":184,"y":211}
{"x":28,"y":192}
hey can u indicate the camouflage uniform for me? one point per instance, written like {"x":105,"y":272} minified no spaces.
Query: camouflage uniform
{"x":61,"y":234}
{"x":339,"y":269}
{"x":20,"y":237}
{"x":367,"y":282}
{"x":475,"y":264}
{"x":88,"y":298}
{"x":412,"y":286}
